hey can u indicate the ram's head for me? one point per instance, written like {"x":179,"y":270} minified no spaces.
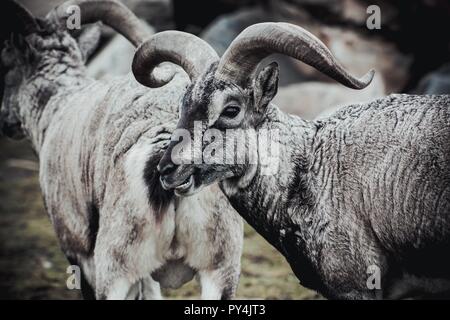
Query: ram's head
{"x":228,"y":97}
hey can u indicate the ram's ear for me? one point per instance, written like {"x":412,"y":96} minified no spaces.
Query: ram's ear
{"x":88,"y":39}
{"x":266,"y":85}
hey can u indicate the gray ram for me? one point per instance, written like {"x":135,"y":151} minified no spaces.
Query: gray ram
{"x":99,"y":143}
{"x":360,"y":203}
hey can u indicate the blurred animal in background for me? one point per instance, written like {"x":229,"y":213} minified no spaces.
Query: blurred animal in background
{"x":98,"y":144}
{"x":115,"y":52}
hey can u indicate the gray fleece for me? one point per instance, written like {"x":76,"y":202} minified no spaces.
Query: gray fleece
{"x":368,"y":186}
{"x":95,"y":139}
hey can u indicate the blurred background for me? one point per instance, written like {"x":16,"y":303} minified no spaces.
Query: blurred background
{"x":410,"y":52}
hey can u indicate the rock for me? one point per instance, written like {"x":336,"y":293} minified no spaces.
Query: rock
{"x":225,"y":28}
{"x":221,"y":32}
{"x":360,"y":52}
{"x":336,"y":12}
{"x":114,"y":59}
{"x":436,"y":82}
{"x":357,"y":51}
{"x":40,"y":8}
{"x":158,"y":13}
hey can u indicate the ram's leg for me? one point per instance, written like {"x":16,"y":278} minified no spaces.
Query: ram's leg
{"x":87,"y":291}
{"x":220,"y":284}
{"x":87,"y":269}
{"x":146,"y":289}
{"x":150,"y":289}
{"x":122,"y":260}
{"x":122,"y":289}
{"x":119,"y":290}
{"x":211,"y":284}
{"x":116,"y":278}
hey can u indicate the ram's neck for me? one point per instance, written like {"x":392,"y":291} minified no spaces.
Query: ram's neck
{"x":280,"y":204}
{"x":36,"y":104}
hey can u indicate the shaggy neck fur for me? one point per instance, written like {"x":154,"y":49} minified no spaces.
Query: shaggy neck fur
{"x":281,"y":206}
{"x":50,"y":64}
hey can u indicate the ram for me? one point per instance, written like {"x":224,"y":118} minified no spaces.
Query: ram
{"x":99,"y":143}
{"x":360,"y":204}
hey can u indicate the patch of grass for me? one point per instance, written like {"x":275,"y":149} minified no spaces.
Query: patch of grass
{"x":265,"y":272}
{"x":31,"y":264}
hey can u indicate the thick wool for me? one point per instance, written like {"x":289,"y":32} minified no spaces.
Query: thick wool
{"x":369,"y":186}
{"x":98,"y":144}
{"x":363,"y":191}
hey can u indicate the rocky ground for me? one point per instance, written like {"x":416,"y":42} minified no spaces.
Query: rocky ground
{"x":33,"y":267}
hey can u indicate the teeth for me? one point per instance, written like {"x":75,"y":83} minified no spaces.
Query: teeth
{"x":185,"y":184}
{"x":163,"y":182}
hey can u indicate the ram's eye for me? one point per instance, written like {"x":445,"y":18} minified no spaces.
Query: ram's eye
{"x":231,"y":112}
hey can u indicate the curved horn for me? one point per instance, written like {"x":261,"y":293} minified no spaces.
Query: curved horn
{"x":110,"y":12}
{"x":258,"y":41}
{"x":193,"y":54}
{"x":22,"y":19}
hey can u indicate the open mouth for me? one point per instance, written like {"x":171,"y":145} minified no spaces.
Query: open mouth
{"x":184,"y":188}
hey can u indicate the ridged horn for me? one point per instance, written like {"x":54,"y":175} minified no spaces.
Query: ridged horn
{"x":193,"y":54}
{"x":240,"y":61}
{"x":110,"y":12}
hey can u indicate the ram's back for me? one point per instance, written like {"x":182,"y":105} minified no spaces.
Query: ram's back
{"x":92,"y":128}
{"x":385,"y":169}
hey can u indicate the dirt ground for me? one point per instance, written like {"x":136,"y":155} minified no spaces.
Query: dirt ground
{"x":33,"y":267}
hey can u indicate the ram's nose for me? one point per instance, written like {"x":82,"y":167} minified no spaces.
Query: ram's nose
{"x":166,"y":168}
